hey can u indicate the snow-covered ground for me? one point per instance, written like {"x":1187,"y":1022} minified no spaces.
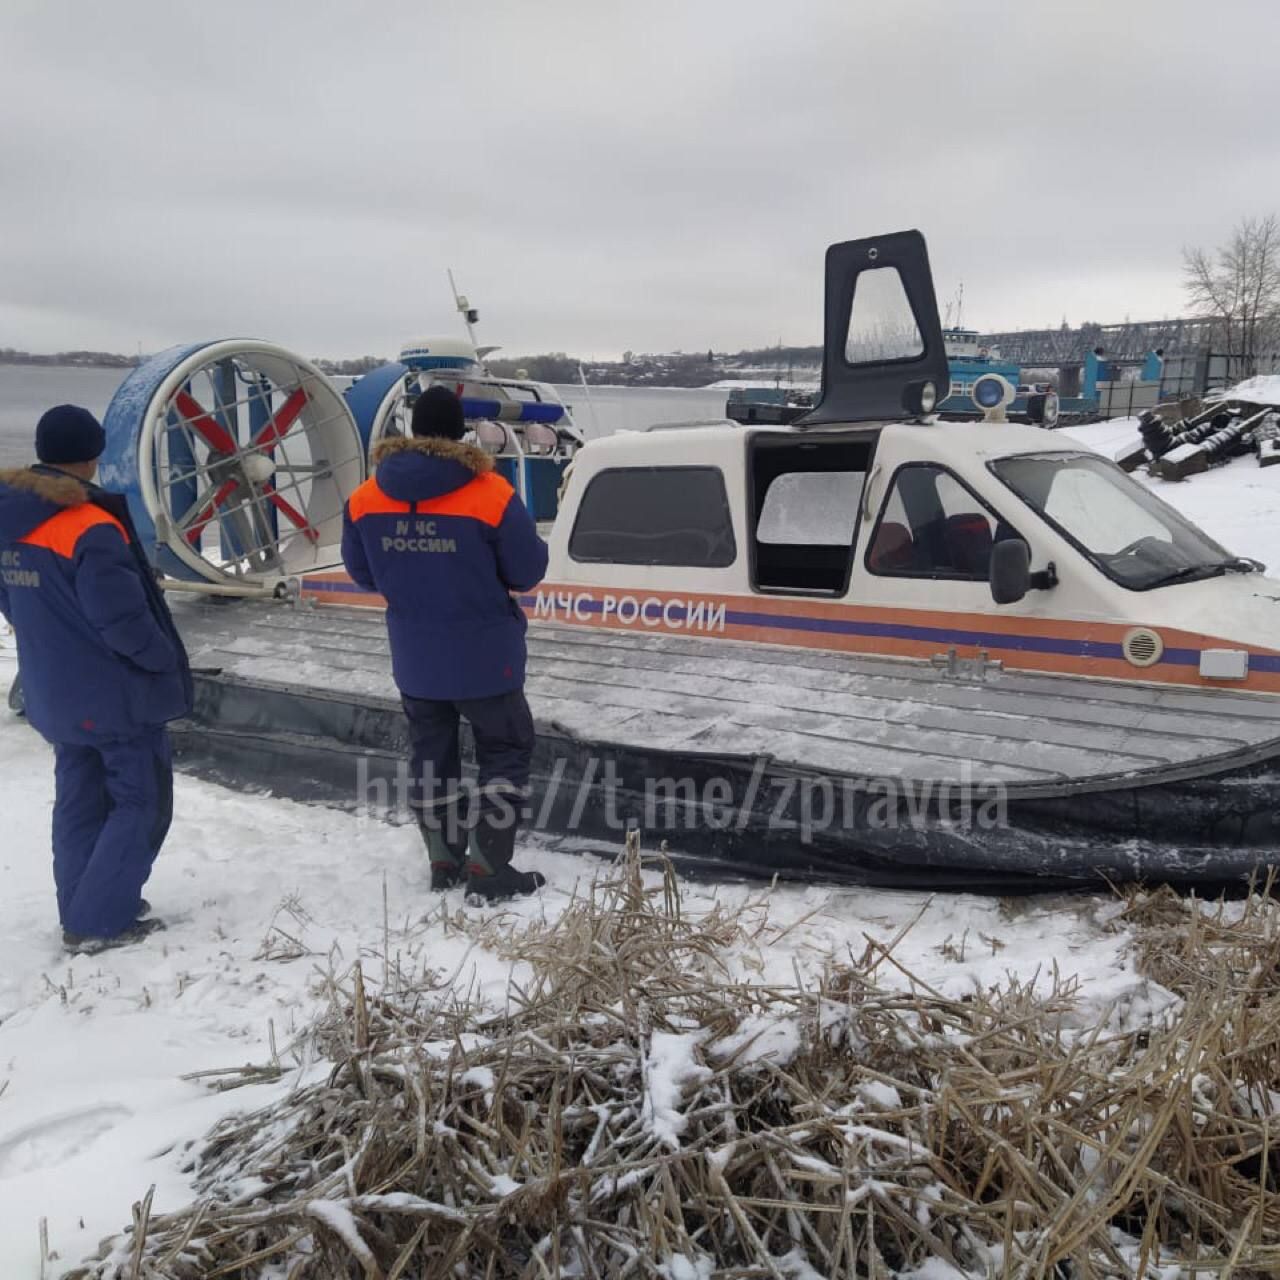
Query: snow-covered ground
{"x":264,"y":897}
{"x":767,"y":379}
{"x":1262,"y":389}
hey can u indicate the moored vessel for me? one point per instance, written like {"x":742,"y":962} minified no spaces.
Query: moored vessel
{"x":869,"y":644}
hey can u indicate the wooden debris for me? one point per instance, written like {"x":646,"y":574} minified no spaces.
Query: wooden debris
{"x":1222,"y":437}
{"x":1266,"y":440}
{"x":1134,"y":454}
{"x":1161,"y":431}
{"x":1181,"y":462}
{"x":1131,"y":456}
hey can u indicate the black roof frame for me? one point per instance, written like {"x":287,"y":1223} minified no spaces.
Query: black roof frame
{"x":889,"y":390}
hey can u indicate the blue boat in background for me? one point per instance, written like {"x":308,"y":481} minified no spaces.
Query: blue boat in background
{"x":1095,"y":381}
{"x":968,"y":360}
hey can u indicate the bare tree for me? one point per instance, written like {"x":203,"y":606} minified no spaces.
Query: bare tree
{"x":1238,"y":285}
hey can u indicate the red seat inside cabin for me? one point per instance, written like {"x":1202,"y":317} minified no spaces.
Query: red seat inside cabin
{"x":893,"y":550}
{"x":959,"y":544}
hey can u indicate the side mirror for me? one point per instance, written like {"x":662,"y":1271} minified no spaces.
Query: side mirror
{"x":1010,"y":571}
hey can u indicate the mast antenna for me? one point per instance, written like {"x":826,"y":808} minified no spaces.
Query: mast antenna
{"x":470,"y":316}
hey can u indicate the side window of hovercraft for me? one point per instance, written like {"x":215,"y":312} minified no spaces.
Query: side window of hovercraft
{"x":932,"y":525}
{"x":806,"y":500}
{"x":655,"y":515}
{"x":882,"y":325}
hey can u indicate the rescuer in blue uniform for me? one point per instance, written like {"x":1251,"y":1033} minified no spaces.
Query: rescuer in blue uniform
{"x":103,"y":671}
{"x":446,"y":540}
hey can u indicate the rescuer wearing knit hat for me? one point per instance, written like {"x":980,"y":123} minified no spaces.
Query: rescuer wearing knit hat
{"x":68,"y":435}
{"x":445,"y":540}
{"x":438,"y":412}
{"x":103,"y":671}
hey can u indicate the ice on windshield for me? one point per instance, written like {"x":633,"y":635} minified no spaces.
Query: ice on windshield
{"x":1131,"y":535}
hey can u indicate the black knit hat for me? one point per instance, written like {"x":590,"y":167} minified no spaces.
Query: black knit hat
{"x":438,"y":412}
{"x":68,"y":434}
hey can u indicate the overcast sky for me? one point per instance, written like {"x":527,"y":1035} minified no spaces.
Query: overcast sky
{"x":605,"y":175}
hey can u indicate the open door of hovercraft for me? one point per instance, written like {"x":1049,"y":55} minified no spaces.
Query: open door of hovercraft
{"x":883,"y":356}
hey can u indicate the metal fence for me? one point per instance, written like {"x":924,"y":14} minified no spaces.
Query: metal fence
{"x":1183,"y":375}
{"x":1206,"y":370}
{"x":1125,"y":399}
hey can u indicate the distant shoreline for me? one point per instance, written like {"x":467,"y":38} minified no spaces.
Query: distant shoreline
{"x":659,"y":382}
{"x":68,"y":361}
{"x":676,"y":371}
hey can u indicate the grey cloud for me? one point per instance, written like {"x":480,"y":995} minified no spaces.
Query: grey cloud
{"x":605,"y":176}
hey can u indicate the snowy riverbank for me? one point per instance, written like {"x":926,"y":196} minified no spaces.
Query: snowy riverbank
{"x":266,"y":899}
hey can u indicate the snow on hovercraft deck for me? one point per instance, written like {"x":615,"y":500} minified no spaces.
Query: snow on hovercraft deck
{"x":824,"y":712}
{"x":1095,"y":777}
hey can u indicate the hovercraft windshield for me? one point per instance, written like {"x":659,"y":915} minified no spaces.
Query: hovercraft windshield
{"x":1136,"y":539}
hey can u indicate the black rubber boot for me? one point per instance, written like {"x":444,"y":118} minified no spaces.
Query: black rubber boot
{"x":448,"y":860}
{"x":502,"y":884}
{"x":78,"y":945}
{"x":445,"y":876}
{"x":490,"y":875}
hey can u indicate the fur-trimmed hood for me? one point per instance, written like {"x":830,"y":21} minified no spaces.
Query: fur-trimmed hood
{"x":471,"y":456}
{"x":416,"y":468}
{"x":29,"y":496}
{"x":53,"y":486}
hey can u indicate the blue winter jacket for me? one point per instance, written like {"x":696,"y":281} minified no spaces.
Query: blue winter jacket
{"x":98,"y":653}
{"x":445,"y":540}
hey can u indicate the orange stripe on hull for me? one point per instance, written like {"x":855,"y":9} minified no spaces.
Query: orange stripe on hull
{"x":580,"y":606}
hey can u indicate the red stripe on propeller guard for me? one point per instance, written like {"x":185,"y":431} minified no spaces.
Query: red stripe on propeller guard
{"x":215,"y":435}
{"x":193,"y":534}
{"x":293,"y":514}
{"x":281,"y":421}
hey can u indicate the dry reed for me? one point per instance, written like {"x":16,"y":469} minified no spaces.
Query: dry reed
{"x":639,"y":1111}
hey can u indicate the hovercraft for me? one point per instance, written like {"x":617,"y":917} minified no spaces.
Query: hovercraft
{"x":868,"y":645}
{"x":522,"y":422}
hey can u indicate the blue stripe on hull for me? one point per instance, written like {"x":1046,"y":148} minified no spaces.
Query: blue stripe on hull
{"x":903,"y":631}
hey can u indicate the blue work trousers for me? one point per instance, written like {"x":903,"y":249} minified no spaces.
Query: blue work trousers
{"x":111,"y":814}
